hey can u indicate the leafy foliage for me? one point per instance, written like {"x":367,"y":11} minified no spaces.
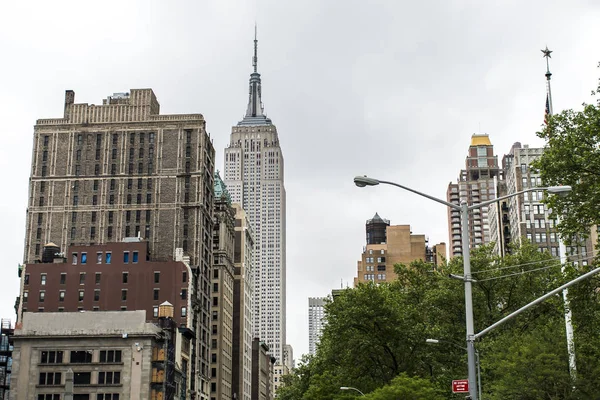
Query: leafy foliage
{"x":375,"y":336}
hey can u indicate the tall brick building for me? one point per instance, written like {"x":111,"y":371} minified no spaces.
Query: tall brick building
{"x":122,"y":172}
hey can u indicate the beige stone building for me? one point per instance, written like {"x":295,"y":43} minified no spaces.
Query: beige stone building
{"x":108,"y":172}
{"x":222,"y":294}
{"x":475,"y":184}
{"x":388,"y":245}
{"x":101,"y":355}
{"x":242,"y":306}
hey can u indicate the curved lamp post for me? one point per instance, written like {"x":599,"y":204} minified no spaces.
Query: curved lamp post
{"x":436,"y":341}
{"x":465,"y":210}
{"x":352,"y":388}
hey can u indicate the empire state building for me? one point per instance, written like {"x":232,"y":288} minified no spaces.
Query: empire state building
{"x":254,"y":176}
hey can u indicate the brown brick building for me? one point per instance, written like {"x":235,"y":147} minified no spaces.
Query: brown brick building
{"x":389,"y":245}
{"x":105,"y":176}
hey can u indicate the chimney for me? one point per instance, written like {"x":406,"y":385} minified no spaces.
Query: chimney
{"x":69,"y":101}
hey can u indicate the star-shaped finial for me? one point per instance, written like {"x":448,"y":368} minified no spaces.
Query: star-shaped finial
{"x":547,"y":52}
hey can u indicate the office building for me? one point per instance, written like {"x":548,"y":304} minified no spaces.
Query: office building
{"x":262,"y":371}
{"x":6,"y":352}
{"x":254,"y":174}
{"x":525,"y":216}
{"x":388,"y":245}
{"x":242,"y":306}
{"x":222,"y":294}
{"x":475,"y":184}
{"x":102,"y":355}
{"x":105,"y":176}
{"x":316,"y":322}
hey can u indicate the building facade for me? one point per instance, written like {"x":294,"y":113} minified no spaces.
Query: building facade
{"x":525,"y":216}
{"x":254,"y":174}
{"x":475,"y":184}
{"x":6,"y":361}
{"x":388,"y":245}
{"x":316,"y":322}
{"x":242,"y":306}
{"x":90,"y":356}
{"x":109,"y":173}
{"x":222,"y":294}
{"x":262,"y":371}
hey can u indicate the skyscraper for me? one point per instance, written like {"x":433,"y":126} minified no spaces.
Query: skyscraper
{"x":476,"y":183}
{"x":122,"y":179}
{"x":316,"y":321}
{"x":254,"y":175}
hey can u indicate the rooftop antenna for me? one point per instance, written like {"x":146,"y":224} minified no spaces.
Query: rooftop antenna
{"x":255,"y":58}
{"x":546,"y":54}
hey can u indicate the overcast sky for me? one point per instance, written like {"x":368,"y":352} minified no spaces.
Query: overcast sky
{"x":392,"y":89}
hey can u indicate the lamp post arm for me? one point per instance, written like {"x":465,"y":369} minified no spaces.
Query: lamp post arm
{"x":536,"y":301}
{"x":497,"y":199}
{"x":454,"y":206}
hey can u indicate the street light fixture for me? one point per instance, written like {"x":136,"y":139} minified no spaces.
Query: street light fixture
{"x":352,"y":388}
{"x":465,"y":209}
{"x":437,"y":341}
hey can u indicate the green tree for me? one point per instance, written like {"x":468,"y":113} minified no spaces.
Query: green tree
{"x":572,"y":157}
{"x":404,"y":387}
{"x":376,"y":333}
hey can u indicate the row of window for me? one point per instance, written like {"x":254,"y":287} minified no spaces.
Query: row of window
{"x":79,"y":356}
{"x":81,"y":295}
{"x":82,"y":275}
{"x":107,"y":257}
{"x":80,"y":378}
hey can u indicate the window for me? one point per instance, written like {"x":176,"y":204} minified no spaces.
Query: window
{"x":82,"y":378}
{"x":98,"y":261}
{"x":41,"y":202}
{"x":157,"y":277}
{"x":83,"y":258}
{"x":25,"y":297}
{"x":113,"y":169}
{"x":61,"y":295}
{"x":81,"y":356}
{"x":107,"y":257}
{"x":26,"y":279}
{"x":63,"y":278}
{"x":42,"y":296}
{"x":44,"y":170}
{"x":184,"y":277}
{"x":50,"y":379}
{"x":48,"y":396}
{"x":109,"y":378}
{"x":96,"y":295}
{"x":75,"y":200}
{"x":183,"y":294}
{"x":156,"y":294}
{"x":42,"y":279}
{"x":81,"y":293}
{"x":138,"y":198}
{"x":129,"y":199}
{"x":126,"y":257}
{"x":110,"y":356}
{"x":155,"y":311}
{"x":135,"y":256}
{"x":51,"y":357}
{"x":46,"y":139}
{"x":92,"y":233}
{"x":125,"y":277}
{"x":215,"y":287}
{"x":149,"y":198}
{"x":42,"y":187}
{"x":124,"y":294}
{"x":183,"y":311}
{"x":115,"y":138}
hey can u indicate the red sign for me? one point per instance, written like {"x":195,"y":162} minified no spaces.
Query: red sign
{"x":460,"y":386}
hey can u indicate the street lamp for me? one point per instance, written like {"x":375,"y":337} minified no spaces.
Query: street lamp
{"x":351,"y":388}
{"x":465,"y":209}
{"x":436,"y":341}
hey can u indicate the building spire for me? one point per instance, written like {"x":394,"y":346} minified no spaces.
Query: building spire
{"x":547,"y":56}
{"x":255,"y":58}
{"x":255,"y":113}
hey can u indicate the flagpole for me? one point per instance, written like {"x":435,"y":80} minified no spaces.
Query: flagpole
{"x":562,"y":250}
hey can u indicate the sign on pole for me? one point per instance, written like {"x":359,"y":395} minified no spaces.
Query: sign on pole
{"x":460,"y":386}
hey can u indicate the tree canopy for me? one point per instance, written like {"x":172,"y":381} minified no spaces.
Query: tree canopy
{"x":375,"y":337}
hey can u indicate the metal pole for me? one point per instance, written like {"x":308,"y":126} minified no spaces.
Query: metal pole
{"x":478,"y":374}
{"x":464,"y":213}
{"x":568,"y":325}
{"x":536,"y":301}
